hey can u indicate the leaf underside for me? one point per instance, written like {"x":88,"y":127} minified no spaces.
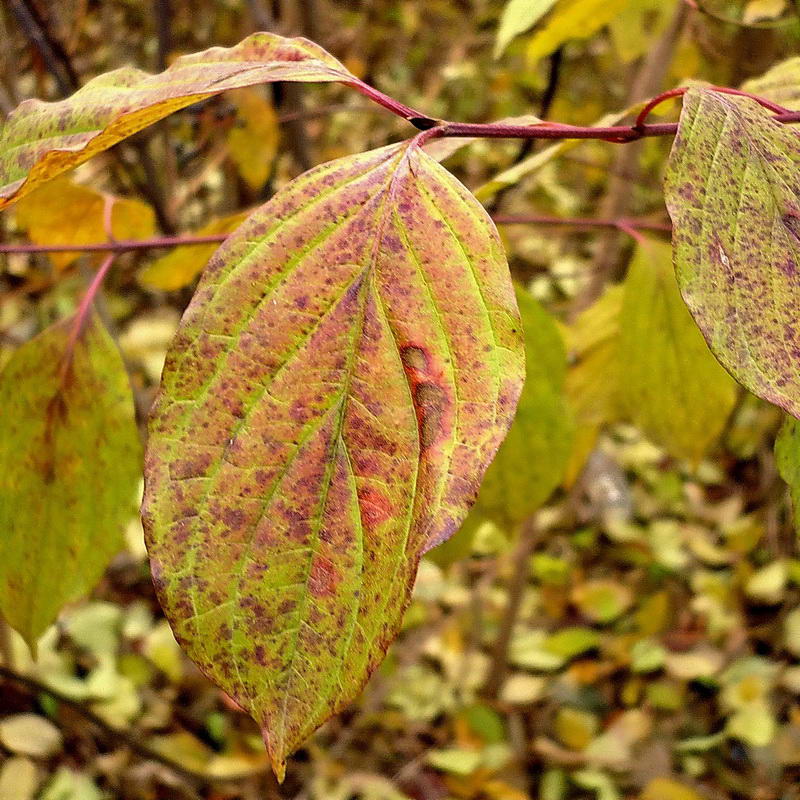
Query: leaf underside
{"x":733,"y":192}
{"x":337,"y":387}
{"x":41,"y":140}
{"x":70,"y":463}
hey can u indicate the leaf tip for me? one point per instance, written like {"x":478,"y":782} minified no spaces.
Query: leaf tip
{"x":277,"y":759}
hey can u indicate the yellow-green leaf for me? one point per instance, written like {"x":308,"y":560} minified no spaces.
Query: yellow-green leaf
{"x":670,"y":385}
{"x":519,"y":16}
{"x":787,"y":459}
{"x":183,"y":264}
{"x":41,"y":140}
{"x":733,"y":192}
{"x":69,"y":470}
{"x":572,"y":19}
{"x":532,"y":459}
{"x":338,"y":385}
{"x":781,"y":84}
{"x":62,"y":212}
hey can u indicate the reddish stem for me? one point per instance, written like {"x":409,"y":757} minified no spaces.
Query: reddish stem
{"x":679,"y":92}
{"x":119,"y":246}
{"x":625,"y":224}
{"x":82,"y":313}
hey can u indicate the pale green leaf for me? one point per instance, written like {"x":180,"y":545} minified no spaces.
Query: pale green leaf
{"x":670,"y":385}
{"x":572,"y":19}
{"x":69,"y":470}
{"x":519,"y":16}
{"x":787,"y":459}
{"x":532,"y":459}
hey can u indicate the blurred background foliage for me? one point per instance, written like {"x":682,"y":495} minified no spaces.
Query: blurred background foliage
{"x":619,"y":616}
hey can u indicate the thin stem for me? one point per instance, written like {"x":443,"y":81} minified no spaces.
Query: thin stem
{"x":132,"y":740}
{"x":625,"y":224}
{"x":528,"y":540}
{"x":120,"y":246}
{"x":82,"y":313}
{"x":125,"y":245}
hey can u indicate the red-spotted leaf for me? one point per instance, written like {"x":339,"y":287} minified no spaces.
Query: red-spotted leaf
{"x":40,"y":140}
{"x":733,"y":192}
{"x":336,"y":389}
{"x":70,"y":464}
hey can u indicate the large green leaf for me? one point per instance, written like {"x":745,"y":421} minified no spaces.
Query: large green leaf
{"x":670,"y":386}
{"x":40,"y":140}
{"x":532,"y":459}
{"x":340,"y":382}
{"x":733,"y":192}
{"x":69,"y":469}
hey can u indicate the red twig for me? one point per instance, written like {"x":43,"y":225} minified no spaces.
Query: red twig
{"x":124,"y":245}
{"x":627,"y":225}
{"x":776,"y":109}
{"x":82,"y":313}
{"x":119,"y":246}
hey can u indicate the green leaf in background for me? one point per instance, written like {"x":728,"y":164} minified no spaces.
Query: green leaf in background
{"x":733,"y":192}
{"x":787,"y":459}
{"x":670,"y":385}
{"x":572,"y":19}
{"x":40,"y":140}
{"x":337,"y":387}
{"x":519,"y":16}
{"x":69,"y":468}
{"x":532,"y":459}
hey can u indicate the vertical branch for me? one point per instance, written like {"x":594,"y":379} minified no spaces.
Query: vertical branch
{"x":528,"y":540}
{"x":624,"y":169}
{"x":51,"y":51}
{"x":162,"y":11}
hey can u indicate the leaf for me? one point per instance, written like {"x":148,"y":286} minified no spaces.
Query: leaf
{"x":781,"y":84}
{"x":253,"y":139}
{"x":671,"y":387}
{"x":519,"y":16}
{"x":532,"y":459}
{"x":572,"y":19}
{"x":760,"y":10}
{"x":787,"y":459}
{"x":601,"y":600}
{"x":668,"y":789}
{"x":592,"y":383}
{"x":69,"y":469}
{"x":62,"y":212}
{"x":336,"y":389}
{"x":30,"y":735}
{"x":183,"y":264}
{"x":732,"y":190}
{"x":41,"y":140}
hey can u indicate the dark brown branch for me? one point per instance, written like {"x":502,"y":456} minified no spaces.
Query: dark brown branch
{"x":130,"y":739}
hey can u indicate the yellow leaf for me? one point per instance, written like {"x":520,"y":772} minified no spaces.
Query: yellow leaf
{"x":253,"y":139}
{"x":572,"y":19}
{"x":180,"y":267}
{"x":761,"y":10}
{"x":668,"y":789}
{"x":63,"y":212}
